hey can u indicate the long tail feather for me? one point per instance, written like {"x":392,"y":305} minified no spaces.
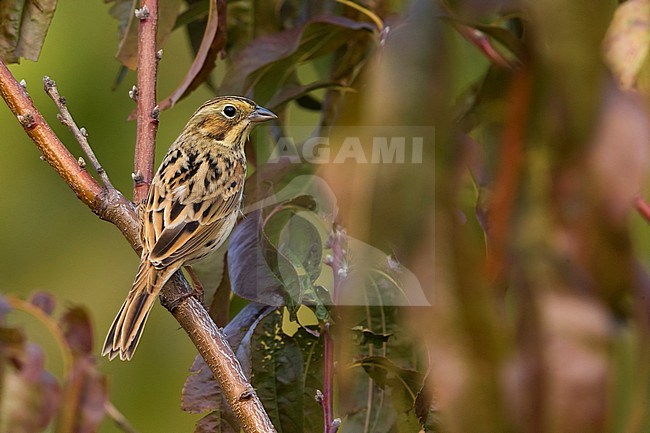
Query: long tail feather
{"x":125,"y":331}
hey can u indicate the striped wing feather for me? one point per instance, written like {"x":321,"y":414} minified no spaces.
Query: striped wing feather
{"x":186,"y":222}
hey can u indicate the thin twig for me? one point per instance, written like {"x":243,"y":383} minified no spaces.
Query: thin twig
{"x":481,"y":41}
{"x":82,"y":138}
{"x":118,"y":418}
{"x":54,"y":152}
{"x":147,"y":112}
{"x":109,"y":205}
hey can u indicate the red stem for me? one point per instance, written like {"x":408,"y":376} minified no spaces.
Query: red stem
{"x":339,"y":270}
{"x":511,"y":163}
{"x":328,"y":378}
{"x":642,"y":207}
{"x":147,"y":112}
{"x":481,"y":41}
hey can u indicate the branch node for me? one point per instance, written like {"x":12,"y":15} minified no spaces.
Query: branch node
{"x":319,"y":397}
{"x":142,"y":13}
{"x":246,"y":395}
{"x":27,"y":120}
{"x":81,"y":162}
{"x":137,"y":177}
{"x":172,"y":304}
{"x":80,"y":134}
{"x":48,"y":83}
{"x":23,"y":84}
{"x":155,"y":113}
{"x":334,"y":427}
{"x":133,"y":93}
{"x":159,"y":55}
{"x":42,"y":157}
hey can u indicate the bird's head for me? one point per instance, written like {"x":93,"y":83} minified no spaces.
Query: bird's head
{"x":228,"y":119}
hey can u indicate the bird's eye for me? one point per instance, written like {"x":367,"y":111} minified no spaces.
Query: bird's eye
{"x":229,"y":111}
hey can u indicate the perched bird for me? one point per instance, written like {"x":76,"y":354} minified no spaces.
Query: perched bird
{"x":191,"y":208}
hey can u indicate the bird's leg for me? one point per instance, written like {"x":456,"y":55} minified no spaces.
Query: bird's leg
{"x":196,"y":284}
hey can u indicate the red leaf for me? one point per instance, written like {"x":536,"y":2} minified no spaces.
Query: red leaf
{"x":319,"y":35}
{"x":44,"y":301}
{"x":32,"y":395}
{"x":78,"y":330}
{"x":214,"y":41}
{"x":86,"y":396}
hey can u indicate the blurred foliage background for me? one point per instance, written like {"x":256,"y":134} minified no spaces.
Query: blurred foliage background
{"x":532,"y":253}
{"x":51,"y":242}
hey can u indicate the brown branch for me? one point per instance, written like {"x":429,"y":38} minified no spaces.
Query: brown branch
{"x":147,"y":112}
{"x":216,"y":352}
{"x":53,"y":151}
{"x":110,"y":205}
{"x":79,"y":134}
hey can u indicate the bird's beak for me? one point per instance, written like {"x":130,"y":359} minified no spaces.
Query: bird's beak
{"x":261,"y":114}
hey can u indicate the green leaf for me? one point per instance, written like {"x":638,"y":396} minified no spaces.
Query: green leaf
{"x":301,"y":242}
{"x":371,"y":297}
{"x":23,"y":27}
{"x":378,"y":280}
{"x":367,"y":336}
{"x":274,"y":264}
{"x":287,"y":371}
{"x":405,"y":383}
{"x":319,"y":299}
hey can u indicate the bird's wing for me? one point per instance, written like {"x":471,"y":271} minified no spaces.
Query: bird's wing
{"x":185,"y":216}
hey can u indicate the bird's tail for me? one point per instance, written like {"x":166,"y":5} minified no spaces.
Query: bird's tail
{"x":125,"y":332}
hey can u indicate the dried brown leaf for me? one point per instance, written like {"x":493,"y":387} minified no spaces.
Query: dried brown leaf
{"x":627,"y":40}
{"x":23,"y":27}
